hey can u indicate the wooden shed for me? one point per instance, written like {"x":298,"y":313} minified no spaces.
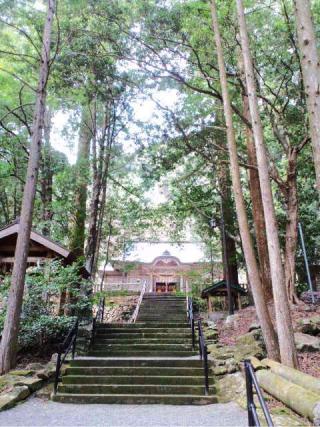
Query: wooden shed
{"x":41,"y":248}
{"x":218,"y":291}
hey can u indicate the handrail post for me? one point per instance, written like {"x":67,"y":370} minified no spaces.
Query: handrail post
{"x":56,"y":378}
{"x":206,"y":369}
{"x":75,"y":339}
{"x":199,"y":339}
{"x":193,"y":334}
{"x":249,"y":389}
{"x":103,"y":307}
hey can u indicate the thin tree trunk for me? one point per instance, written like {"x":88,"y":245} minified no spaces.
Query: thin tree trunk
{"x":311,"y":75}
{"x":46,"y":176}
{"x":9,"y":341}
{"x":282,"y":309}
{"x":251,"y":262}
{"x":99,"y":184}
{"x":78,"y":229}
{"x":291,"y":226}
{"x":255,"y":193}
{"x":227,"y":208}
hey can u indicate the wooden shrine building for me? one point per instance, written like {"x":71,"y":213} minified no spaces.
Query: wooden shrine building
{"x":42,"y":248}
{"x":166,"y":273}
{"x":217,"y":294}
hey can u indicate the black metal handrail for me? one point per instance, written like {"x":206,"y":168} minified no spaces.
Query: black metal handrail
{"x":191,"y":320}
{"x":203,"y":350}
{"x":64,"y":349}
{"x":98,"y":318}
{"x":251,"y":381}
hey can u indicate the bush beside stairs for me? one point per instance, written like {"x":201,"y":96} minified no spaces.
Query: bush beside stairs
{"x":150,"y":361}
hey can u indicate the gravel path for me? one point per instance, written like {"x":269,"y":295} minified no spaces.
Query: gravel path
{"x":36,"y":412}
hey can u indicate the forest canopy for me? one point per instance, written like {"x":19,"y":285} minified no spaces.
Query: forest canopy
{"x":183,"y":126}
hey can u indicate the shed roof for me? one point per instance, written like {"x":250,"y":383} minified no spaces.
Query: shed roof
{"x":8,"y":238}
{"x":221,"y":288}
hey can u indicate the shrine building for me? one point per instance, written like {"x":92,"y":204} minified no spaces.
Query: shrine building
{"x":166,"y":273}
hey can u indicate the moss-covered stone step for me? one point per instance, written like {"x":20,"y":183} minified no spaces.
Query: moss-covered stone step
{"x":150,"y":317}
{"x":141,"y":353}
{"x":105,"y":334}
{"x":184,"y":363}
{"x":144,"y":335}
{"x":131,"y":389}
{"x":135,"y":399}
{"x":133,"y":379}
{"x":138,"y":346}
{"x":140,"y":340}
{"x":143,"y":325}
{"x":133,"y":371}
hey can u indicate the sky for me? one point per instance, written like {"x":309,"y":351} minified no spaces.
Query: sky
{"x":146,"y":111}
{"x":147,"y":252}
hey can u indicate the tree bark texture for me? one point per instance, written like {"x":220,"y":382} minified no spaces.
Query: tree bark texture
{"x":9,"y":341}
{"x":101,"y":159}
{"x":311,"y":75}
{"x":255,"y":194}
{"x":291,"y":225}
{"x":46,"y":175}
{"x":251,"y":262}
{"x":282,"y":309}
{"x":227,"y":212}
{"x":77,"y":238}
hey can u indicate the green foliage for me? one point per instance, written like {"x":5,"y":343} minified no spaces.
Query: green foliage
{"x":40,"y":323}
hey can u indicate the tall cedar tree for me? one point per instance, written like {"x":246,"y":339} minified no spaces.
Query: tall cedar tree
{"x":251,"y":262}
{"x":282,"y":309}
{"x":311,"y":75}
{"x":9,"y":341}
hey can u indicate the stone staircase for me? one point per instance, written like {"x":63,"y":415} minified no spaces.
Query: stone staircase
{"x":150,"y":361}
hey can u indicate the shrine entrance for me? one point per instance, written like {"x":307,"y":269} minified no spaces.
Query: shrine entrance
{"x":163,"y":287}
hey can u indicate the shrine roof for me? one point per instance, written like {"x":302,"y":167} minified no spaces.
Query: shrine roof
{"x":221,"y":288}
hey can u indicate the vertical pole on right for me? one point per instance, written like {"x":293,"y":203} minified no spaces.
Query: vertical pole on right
{"x":305,"y":257}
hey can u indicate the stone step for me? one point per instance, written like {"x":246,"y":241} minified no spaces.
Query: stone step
{"x":139,"y":340}
{"x":148,"y":328}
{"x":152,"y":331}
{"x":162,"y":314}
{"x":140,"y":346}
{"x":138,"y":335}
{"x":153,"y":319}
{"x":133,"y":379}
{"x":132,"y":389}
{"x":135,"y":399}
{"x":142,"y":325}
{"x":165,"y":307}
{"x":141,"y":353}
{"x":134,"y":371}
{"x":164,"y":363}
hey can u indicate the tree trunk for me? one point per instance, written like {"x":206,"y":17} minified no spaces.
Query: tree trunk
{"x":255,"y":193}
{"x":251,"y":262}
{"x":311,"y":75}
{"x":227,"y":212}
{"x":77,"y":238}
{"x":291,"y":225}
{"x":100,"y":168}
{"x":9,"y":341}
{"x":99,"y":195}
{"x":282,"y":309}
{"x":46,"y":176}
